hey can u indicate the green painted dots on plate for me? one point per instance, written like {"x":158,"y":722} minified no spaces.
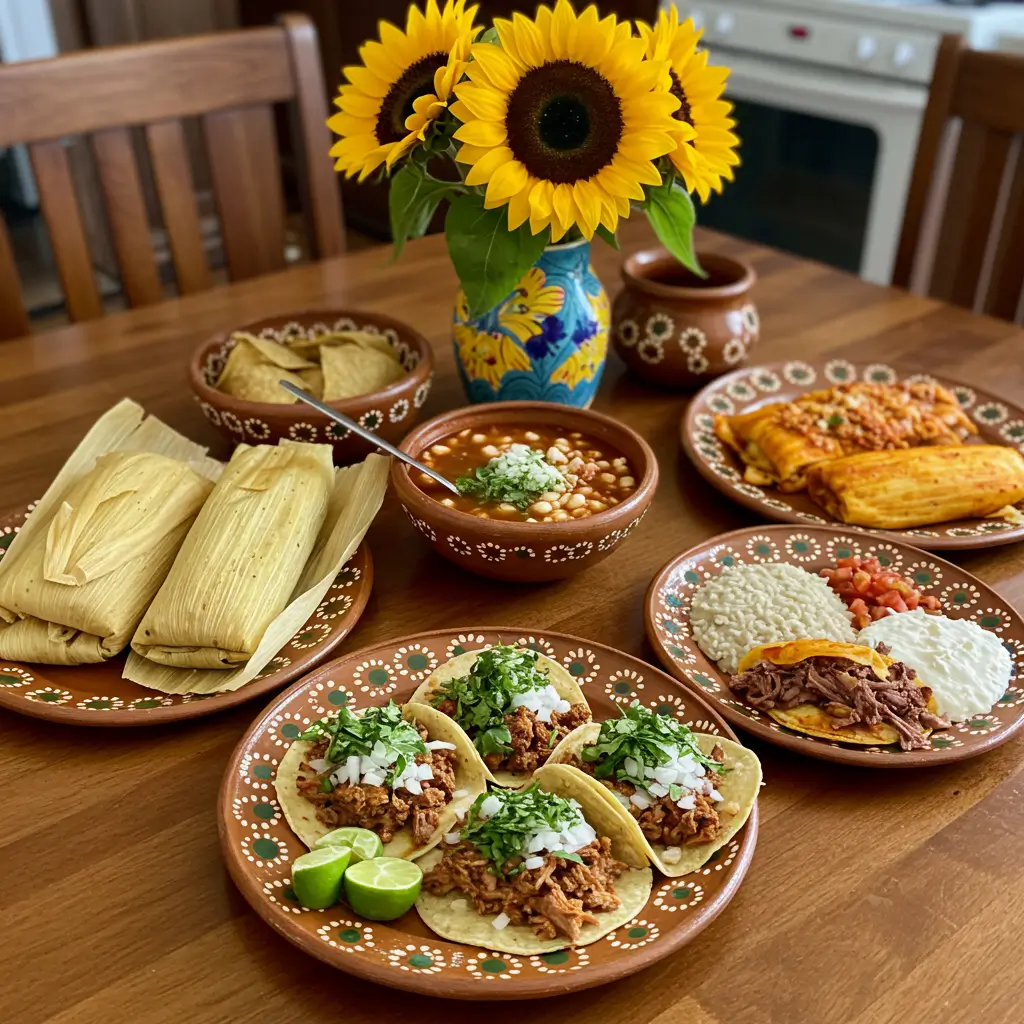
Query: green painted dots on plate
{"x":558,"y":957}
{"x":763,"y":549}
{"x":98,"y":705}
{"x":623,"y":687}
{"x":420,"y":960}
{"x":883,"y":558}
{"x":6,"y":680}
{"x":6,"y":541}
{"x":961,"y":597}
{"x":350,"y":935}
{"x":676,"y":652}
{"x":682,"y":893}
{"x":577,"y":668}
{"x":691,"y":577}
{"x":637,"y":933}
{"x":923,"y":576}
{"x":980,"y":723}
{"x":458,"y":649}
{"x":417,"y":662}
{"x":493,"y":966}
{"x":673,"y":602}
{"x":266,"y":849}
{"x":843,"y":553}
{"x":263,"y":771}
{"x":665,"y":709}
{"x":146,"y":702}
{"x":669,"y":625}
{"x":289,"y":730}
{"x":941,"y":742}
{"x":378,"y":677}
{"x":728,"y":561}
{"x":523,"y":552}
{"x":289,"y":894}
{"x":991,"y":621}
{"x":339,"y":698}
{"x":801,"y":547}
{"x":264,"y":811}
{"x":48,"y":697}
{"x":702,"y":680}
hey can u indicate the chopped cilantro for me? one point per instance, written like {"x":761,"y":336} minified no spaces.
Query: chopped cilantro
{"x":835,"y":420}
{"x":646,"y":738}
{"x":351,"y":735}
{"x":518,"y":476}
{"x":523,"y":813}
{"x":484,"y":697}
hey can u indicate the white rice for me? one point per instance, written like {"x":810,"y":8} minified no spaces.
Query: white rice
{"x":749,"y":605}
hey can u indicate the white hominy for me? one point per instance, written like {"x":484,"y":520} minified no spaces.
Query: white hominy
{"x":749,"y":605}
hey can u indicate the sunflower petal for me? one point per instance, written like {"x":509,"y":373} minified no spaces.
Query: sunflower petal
{"x":366,"y":81}
{"x":482,"y":133}
{"x":541,"y":206}
{"x":528,"y":40}
{"x":358,"y":104}
{"x":508,"y":179}
{"x":375,"y":57}
{"x":487,"y":104}
{"x":483,"y":168}
{"x":497,"y":67}
{"x":519,"y":206}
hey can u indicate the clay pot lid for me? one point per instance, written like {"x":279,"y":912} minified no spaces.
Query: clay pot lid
{"x":727,"y":277}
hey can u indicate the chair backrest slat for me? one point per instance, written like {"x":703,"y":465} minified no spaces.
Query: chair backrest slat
{"x":64,"y":224}
{"x":13,"y":318}
{"x":978,"y":259}
{"x":126,"y":214}
{"x":172,"y":174}
{"x":246,"y":175}
{"x":230,"y":82}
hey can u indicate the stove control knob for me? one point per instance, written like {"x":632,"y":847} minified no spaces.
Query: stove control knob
{"x":725,"y":23}
{"x":902,"y":54}
{"x":867,"y":47}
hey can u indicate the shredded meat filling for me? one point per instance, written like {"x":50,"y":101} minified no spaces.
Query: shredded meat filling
{"x":558,"y":898}
{"x":377,"y":807}
{"x":665,"y":823}
{"x":848,"y":693}
{"x":532,"y":740}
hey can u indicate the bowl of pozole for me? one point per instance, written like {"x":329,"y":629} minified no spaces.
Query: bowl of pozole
{"x":544,"y":490}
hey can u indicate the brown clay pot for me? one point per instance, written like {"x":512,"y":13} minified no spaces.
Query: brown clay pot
{"x":677,"y":330}
{"x":526,"y":552}
{"x":389,"y":412}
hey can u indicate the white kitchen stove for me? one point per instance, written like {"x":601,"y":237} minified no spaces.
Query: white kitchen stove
{"x":848,"y":80}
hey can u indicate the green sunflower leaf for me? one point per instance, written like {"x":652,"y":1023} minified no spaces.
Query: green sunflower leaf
{"x":670,"y":211}
{"x":413,"y":198}
{"x":490,"y":36}
{"x":489,"y":259}
{"x":608,"y":236}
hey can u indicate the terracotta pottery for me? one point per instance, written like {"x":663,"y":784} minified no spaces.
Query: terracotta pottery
{"x":961,"y":596}
{"x":526,"y":552}
{"x":677,"y":330}
{"x":259,"y":847}
{"x":389,"y":412}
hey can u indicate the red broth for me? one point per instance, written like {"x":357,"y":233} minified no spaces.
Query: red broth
{"x":603,"y":475}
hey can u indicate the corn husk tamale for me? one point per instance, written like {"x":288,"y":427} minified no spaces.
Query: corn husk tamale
{"x":224,"y":627}
{"x":80,"y":574}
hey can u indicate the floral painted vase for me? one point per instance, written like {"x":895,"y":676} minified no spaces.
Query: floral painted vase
{"x":546,"y":342}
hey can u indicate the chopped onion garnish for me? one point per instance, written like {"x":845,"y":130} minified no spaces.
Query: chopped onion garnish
{"x":413,"y":786}
{"x":671,"y":854}
{"x":500,"y":922}
{"x":532,"y":863}
{"x":318,"y":764}
{"x":490,"y":806}
{"x":452,"y":837}
{"x":640,"y":799}
{"x":440,"y":745}
{"x":369,"y":779}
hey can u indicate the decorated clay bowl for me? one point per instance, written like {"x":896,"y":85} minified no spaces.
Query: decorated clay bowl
{"x":389,"y":412}
{"x":524,"y":552}
{"x":677,"y":330}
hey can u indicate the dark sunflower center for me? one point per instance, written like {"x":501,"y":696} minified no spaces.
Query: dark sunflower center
{"x":683,"y":113}
{"x":417,"y":80}
{"x":564,"y":121}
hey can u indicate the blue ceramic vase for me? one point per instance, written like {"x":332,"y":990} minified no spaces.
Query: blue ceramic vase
{"x":546,"y":341}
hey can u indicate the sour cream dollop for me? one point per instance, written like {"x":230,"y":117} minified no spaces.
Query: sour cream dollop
{"x":966,"y":666}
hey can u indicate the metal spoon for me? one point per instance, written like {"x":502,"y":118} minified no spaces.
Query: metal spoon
{"x":367,"y":435}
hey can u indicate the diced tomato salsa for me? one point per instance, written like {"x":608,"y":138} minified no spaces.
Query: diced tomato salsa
{"x":871,"y":591}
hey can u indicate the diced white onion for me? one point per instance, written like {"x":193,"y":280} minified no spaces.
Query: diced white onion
{"x":657,"y":789}
{"x":440,"y":745}
{"x":369,"y":779}
{"x":532,"y":863}
{"x":714,"y":794}
{"x":318,"y":764}
{"x":621,"y":797}
{"x":424,"y":771}
{"x":641,"y":800}
{"x":352,"y":768}
{"x":501,"y":922}
{"x":490,"y":806}
{"x":666,"y":776}
{"x":671,"y":854}
{"x":413,"y":786}
{"x":542,"y":702}
{"x":631,"y":768}
{"x":452,"y":837}
{"x":687,"y":803}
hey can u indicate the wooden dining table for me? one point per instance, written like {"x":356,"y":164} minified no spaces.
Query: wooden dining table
{"x":874,"y":895}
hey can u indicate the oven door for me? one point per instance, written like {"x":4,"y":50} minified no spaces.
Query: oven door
{"x":827,"y":157}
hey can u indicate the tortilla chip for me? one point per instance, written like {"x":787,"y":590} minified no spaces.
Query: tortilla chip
{"x":313,"y":381}
{"x":273,"y":352}
{"x":469,"y":777}
{"x":261,"y":383}
{"x":351,"y":370}
{"x":454,"y":917}
{"x":566,"y":687}
{"x":739,"y":787}
{"x":310,"y":347}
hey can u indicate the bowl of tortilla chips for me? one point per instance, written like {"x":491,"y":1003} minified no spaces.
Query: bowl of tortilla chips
{"x":375,"y":369}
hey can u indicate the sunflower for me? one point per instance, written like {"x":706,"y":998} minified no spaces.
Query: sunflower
{"x":563,"y":120}
{"x":404,"y":84}
{"x":705,"y":150}
{"x":527,"y":306}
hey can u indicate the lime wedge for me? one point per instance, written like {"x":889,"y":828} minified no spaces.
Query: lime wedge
{"x":383,"y":888}
{"x":316,"y":876}
{"x":364,"y":844}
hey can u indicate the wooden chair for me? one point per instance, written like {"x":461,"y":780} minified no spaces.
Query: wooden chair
{"x":230,"y":82}
{"x":979,"y":259}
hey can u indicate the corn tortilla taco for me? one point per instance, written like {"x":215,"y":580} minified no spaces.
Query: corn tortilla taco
{"x":840,"y":692}
{"x":369,"y":769}
{"x":682,"y":795}
{"x":513,"y":703}
{"x":535,"y":870}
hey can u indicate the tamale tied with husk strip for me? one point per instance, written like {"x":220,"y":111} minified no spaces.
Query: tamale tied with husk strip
{"x":79,"y":576}
{"x":264,"y":551}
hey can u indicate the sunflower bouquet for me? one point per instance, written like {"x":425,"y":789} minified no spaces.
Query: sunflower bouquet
{"x":553,"y":128}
